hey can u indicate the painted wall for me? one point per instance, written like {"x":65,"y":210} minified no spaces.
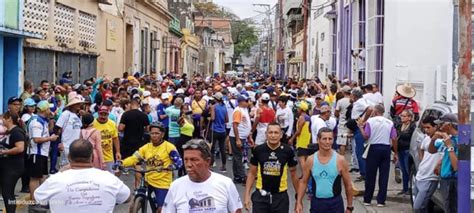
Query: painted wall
{"x":418,"y":40}
{"x":319,"y":41}
{"x":12,"y":65}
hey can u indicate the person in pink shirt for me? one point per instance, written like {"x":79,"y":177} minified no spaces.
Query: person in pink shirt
{"x":92,"y":135}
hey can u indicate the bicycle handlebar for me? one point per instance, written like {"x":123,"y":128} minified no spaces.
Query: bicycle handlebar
{"x":142,"y":171}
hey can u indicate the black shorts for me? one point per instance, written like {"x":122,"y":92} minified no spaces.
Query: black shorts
{"x":37,"y":166}
{"x":306,"y":152}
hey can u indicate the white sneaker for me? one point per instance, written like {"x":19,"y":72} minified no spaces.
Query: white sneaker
{"x":366,"y":204}
{"x":380,"y":205}
{"x":214,"y":164}
{"x":246,"y":166}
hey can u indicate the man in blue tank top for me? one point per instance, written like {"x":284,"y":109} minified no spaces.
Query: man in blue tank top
{"x":326,"y":168}
{"x":217,"y":137}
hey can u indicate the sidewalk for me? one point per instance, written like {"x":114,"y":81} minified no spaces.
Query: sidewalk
{"x":394,"y":203}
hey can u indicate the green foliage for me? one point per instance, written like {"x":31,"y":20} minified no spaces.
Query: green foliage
{"x":244,"y":36}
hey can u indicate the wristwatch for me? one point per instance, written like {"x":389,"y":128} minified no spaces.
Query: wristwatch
{"x":451,"y":149}
{"x":350,"y":208}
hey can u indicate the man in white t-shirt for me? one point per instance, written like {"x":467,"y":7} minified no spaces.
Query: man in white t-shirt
{"x":201,"y":190}
{"x":324,"y":119}
{"x":69,"y":124}
{"x":426,"y":179}
{"x":284,"y":117}
{"x":344,"y":135}
{"x":82,"y":188}
{"x":239,"y":137}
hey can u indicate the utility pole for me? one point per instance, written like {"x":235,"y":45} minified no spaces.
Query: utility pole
{"x":464,"y":106}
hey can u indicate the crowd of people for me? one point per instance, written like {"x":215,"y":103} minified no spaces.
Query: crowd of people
{"x":64,"y":142}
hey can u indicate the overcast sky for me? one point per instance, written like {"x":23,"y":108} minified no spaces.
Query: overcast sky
{"x":244,"y":8}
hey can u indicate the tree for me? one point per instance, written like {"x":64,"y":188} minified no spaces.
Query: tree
{"x":244,"y":36}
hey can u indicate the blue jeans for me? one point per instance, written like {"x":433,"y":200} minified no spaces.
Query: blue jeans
{"x":424,"y":189}
{"x":359,"y":141}
{"x":403,"y":161}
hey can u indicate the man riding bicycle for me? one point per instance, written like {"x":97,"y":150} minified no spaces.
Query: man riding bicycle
{"x":157,"y":155}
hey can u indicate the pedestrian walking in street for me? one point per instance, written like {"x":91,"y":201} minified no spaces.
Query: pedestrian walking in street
{"x":82,"y":188}
{"x":218,"y":132}
{"x":381,"y":136}
{"x":327,"y":170}
{"x":426,"y":178}
{"x":360,"y":111}
{"x":198,"y":106}
{"x":69,"y":124}
{"x":404,"y":132}
{"x":445,"y":141}
{"x":263,"y":117}
{"x":270,"y":164}
{"x":162,"y":116}
{"x":109,"y":138}
{"x":284,"y":116}
{"x":201,"y":190}
{"x":240,"y":138}
{"x":133,"y":124}
{"x":91,"y":134}
{"x":302,"y":134}
{"x":12,"y":160}
{"x":344,"y":135}
{"x":37,"y":160}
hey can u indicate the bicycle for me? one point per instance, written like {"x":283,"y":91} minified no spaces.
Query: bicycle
{"x":142,"y":193}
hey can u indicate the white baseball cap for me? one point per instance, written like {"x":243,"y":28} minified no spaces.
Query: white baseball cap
{"x":265,"y":97}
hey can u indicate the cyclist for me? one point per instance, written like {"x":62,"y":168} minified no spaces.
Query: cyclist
{"x":158,"y":154}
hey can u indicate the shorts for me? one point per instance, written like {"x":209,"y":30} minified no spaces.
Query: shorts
{"x":227,"y":131}
{"x":37,"y":166}
{"x":344,"y":136}
{"x":322,"y":205}
{"x":160,"y":195}
{"x":303,"y":152}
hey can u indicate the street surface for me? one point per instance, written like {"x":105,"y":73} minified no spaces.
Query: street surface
{"x":395,"y":203}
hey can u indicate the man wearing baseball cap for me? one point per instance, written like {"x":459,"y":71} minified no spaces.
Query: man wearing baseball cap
{"x":37,"y":161}
{"x":265,"y":115}
{"x":240,"y":137}
{"x":446,"y":141}
{"x":109,"y":137}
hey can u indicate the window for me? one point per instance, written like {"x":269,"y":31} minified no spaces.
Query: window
{"x":322,"y":36}
{"x":375,"y":37}
{"x":334,"y":45}
{"x":144,"y":49}
{"x":153,"y":50}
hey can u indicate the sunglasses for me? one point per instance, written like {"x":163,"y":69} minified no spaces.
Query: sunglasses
{"x":201,"y":145}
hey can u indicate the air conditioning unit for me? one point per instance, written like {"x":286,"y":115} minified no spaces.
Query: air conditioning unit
{"x":109,"y":2}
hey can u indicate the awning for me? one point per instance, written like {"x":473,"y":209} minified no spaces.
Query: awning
{"x":296,"y":60}
{"x":19,"y":33}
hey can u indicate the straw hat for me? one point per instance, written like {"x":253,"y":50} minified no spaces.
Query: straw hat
{"x":74,"y":98}
{"x":406,"y":90}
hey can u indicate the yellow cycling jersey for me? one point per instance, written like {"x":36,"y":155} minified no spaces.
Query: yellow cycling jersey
{"x":155,"y":157}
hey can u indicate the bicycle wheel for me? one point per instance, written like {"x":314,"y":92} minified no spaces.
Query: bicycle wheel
{"x":137,"y":205}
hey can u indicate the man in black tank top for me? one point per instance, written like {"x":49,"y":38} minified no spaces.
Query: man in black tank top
{"x":331,"y":168}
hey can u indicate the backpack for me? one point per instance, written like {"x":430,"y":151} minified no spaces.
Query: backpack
{"x":27,"y":133}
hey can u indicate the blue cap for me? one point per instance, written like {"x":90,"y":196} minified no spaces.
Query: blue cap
{"x":29,"y":102}
{"x":242,"y":98}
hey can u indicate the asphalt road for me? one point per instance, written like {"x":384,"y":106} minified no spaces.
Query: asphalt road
{"x":395,"y":203}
